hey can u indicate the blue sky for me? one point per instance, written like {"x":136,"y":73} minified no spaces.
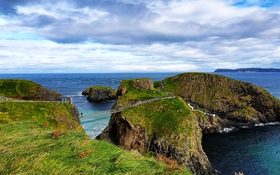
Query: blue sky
{"x":137,"y":35}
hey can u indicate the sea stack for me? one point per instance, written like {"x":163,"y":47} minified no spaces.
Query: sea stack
{"x":99,"y":94}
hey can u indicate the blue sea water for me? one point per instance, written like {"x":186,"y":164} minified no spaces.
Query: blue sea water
{"x":254,"y":151}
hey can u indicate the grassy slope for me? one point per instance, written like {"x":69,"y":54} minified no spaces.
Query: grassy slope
{"x":12,"y":88}
{"x":45,"y":113}
{"x":165,"y":118}
{"x":22,"y":89}
{"x":44,"y":138}
{"x":215,"y":93}
{"x":134,"y":95}
{"x":34,"y":140}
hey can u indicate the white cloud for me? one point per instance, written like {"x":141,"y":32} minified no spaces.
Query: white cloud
{"x":168,"y":36}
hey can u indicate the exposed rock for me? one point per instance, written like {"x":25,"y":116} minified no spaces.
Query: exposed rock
{"x":143,"y":84}
{"x":134,"y":137}
{"x":100,"y":94}
{"x":121,"y":91}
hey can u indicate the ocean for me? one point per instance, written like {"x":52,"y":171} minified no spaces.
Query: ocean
{"x":253,"y":151}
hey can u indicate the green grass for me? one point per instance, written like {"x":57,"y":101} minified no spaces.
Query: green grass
{"x":30,"y":149}
{"x":17,"y":88}
{"x":217,"y":93}
{"x":134,"y":94}
{"x":26,"y":90}
{"x":100,"y":88}
{"x":44,"y":113}
{"x":43,"y":138}
{"x":163,"y":117}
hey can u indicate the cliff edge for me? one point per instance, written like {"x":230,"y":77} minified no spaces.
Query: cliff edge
{"x":147,"y":119}
{"x":169,"y":117}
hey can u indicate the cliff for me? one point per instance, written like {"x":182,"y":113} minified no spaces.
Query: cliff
{"x":150,"y":120}
{"x":231,"y":103}
{"x":167,"y":119}
{"x":45,"y":137}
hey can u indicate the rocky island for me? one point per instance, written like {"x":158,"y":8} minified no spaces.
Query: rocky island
{"x":169,"y":117}
{"x":99,"y":94}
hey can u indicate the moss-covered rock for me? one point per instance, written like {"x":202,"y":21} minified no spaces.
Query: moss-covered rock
{"x":235,"y":103}
{"x":149,"y":120}
{"x":99,"y":93}
{"x":26,"y":90}
{"x":143,"y":84}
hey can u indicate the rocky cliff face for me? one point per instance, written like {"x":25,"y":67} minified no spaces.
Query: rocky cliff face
{"x":99,"y":94}
{"x":234,"y":103}
{"x":165,"y":126}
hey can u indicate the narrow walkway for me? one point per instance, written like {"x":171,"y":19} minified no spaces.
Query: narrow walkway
{"x":113,"y":111}
{"x":7,"y":99}
{"x":197,"y":110}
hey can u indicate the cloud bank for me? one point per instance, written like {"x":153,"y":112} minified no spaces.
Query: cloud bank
{"x":138,"y":36}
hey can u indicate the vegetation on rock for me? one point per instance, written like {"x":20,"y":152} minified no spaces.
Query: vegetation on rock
{"x":235,"y":102}
{"x":47,"y":145}
{"x":145,"y":120}
{"x":131,"y":94}
{"x":165,"y":127}
{"x":26,"y":90}
{"x":99,"y":93}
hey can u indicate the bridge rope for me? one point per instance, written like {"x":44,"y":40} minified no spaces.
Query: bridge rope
{"x":138,"y":103}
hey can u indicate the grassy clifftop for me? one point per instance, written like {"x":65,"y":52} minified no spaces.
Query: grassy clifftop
{"x":224,"y":96}
{"x":156,"y":121}
{"x":41,"y":137}
{"x":26,"y":90}
{"x":50,"y":143}
{"x":128,"y":93}
{"x":164,"y":116}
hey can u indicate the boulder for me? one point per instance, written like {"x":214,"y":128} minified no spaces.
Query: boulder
{"x":143,"y":84}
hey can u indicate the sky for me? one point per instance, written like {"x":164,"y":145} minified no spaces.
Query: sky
{"x":97,"y":36}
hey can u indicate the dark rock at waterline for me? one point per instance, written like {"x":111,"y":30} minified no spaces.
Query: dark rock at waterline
{"x":100,"y":94}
